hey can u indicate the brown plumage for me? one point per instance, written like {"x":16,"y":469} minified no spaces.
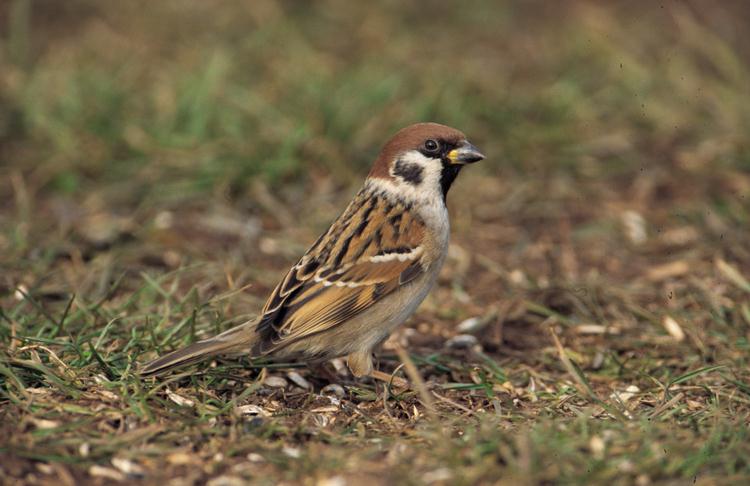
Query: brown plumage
{"x":366,"y":273}
{"x":337,"y":278}
{"x":410,"y":138}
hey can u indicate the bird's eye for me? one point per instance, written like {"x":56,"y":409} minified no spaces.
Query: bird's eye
{"x":431,"y":146}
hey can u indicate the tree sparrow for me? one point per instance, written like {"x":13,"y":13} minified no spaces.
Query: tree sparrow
{"x":365,"y":275}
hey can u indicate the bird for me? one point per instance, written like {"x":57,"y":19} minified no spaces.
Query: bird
{"x":367,"y":273}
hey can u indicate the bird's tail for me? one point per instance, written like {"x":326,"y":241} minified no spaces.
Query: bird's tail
{"x":236,"y":339}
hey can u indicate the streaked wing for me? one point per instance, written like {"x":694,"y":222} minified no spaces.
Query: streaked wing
{"x":372,"y":249}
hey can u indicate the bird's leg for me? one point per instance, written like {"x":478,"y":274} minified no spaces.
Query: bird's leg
{"x":324,"y":371}
{"x":360,"y":364}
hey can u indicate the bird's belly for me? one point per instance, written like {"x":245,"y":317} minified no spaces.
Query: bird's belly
{"x":368,"y":329}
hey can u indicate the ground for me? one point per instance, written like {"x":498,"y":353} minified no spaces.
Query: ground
{"x":161,"y":166}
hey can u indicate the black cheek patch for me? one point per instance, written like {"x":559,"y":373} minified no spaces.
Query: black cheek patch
{"x":411,"y":173}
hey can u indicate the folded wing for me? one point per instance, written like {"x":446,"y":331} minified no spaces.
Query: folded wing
{"x":375,"y":247}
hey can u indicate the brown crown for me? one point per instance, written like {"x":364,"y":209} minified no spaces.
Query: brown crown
{"x":412,"y":137}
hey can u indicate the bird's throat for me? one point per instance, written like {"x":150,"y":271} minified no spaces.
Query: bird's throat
{"x":448,"y":175}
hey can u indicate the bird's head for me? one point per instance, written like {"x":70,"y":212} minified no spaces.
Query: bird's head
{"x":425,"y":157}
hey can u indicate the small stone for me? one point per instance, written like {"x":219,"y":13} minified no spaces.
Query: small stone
{"x":21,"y":292}
{"x":673,"y":328}
{"x":252,"y":410}
{"x":106,"y":472}
{"x":635,"y":227}
{"x":128,"y":467}
{"x":469,"y":325}
{"x":517,"y":277}
{"x":255,"y":457}
{"x":462,"y":341}
{"x":292,"y":452}
{"x":629,"y":393}
{"x":591,"y":329}
{"x":164,"y":220}
{"x":626,"y":466}
{"x":334,"y":481}
{"x":598,"y":361}
{"x":440,"y":475}
{"x":180,"y":458}
{"x":226,"y":481}
{"x":179,"y":399}
{"x":299,"y":380}
{"x":325,"y":409}
{"x":275,"y":382}
{"x":45,"y":423}
{"x":333,"y":389}
{"x":597,"y":446}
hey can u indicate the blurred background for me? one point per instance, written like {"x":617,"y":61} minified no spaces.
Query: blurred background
{"x":168,"y":122}
{"x":163,"y":163}
{"x":155,"y":134}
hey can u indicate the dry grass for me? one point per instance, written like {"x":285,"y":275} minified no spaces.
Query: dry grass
{"x":163,"y":166}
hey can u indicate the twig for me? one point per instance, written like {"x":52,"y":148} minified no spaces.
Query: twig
{"x":417,"y":381}
{"x":664,"y":406}
{"x":453,"y":404}
{"x":578,"y":377}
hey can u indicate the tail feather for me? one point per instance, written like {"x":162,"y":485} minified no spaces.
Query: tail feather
{"x":237,"y":339}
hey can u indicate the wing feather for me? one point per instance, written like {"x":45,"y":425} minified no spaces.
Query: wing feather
{"x":375,"y":247}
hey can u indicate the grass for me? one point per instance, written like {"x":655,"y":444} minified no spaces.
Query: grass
{"x":161,"y":166}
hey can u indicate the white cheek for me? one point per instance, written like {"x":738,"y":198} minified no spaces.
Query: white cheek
{"x":429,"y":188}
{"x":426,"y":197}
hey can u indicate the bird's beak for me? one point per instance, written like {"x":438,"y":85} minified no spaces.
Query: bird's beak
{"x":465,"y":153}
